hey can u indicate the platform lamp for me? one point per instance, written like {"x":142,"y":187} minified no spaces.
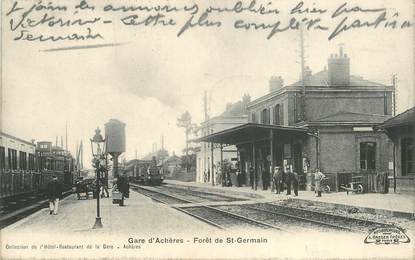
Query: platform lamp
{"x":98,"y":150}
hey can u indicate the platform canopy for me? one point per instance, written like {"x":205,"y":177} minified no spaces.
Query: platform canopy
{"x":250,"y":132}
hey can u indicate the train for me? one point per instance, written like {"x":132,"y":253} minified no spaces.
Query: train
{"x":26,"y":167}
{"x":145,"y":172}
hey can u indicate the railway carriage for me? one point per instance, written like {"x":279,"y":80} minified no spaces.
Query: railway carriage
{"x":26,"y":168}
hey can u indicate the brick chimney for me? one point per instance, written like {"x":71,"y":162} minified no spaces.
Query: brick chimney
{"x":339,"y":69}
{"x":275,"y":83}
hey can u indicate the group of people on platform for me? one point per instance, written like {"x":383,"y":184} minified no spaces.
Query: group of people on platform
{"x":121,"y":184}
{"x":290,"y":178}
{"x":278,"y":180}
{"x":54,"y":189}
{"x":223,"y":176}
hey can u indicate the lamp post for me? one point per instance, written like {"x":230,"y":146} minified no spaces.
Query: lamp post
{"x":98,"y":150}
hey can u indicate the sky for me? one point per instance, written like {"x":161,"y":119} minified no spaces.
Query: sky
{"x":151,"y":76}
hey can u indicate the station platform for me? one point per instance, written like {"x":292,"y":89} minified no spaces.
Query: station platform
{"x":69,"y":235}
{"x":78,"y":216}
{"x":390,"y":204}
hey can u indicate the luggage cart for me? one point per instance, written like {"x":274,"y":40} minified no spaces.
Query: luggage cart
{"x":324,"y":183}
{"x":355,"y":186}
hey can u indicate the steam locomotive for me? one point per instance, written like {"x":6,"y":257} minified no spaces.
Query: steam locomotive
{"x":145,"y":172}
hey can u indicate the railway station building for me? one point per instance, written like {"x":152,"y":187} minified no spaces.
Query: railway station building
{"x":234,"y":115}
{"x":401,"y":130}
{"x":326,"y":121}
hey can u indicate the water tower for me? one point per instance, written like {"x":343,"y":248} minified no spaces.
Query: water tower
{"x":115,"y":137}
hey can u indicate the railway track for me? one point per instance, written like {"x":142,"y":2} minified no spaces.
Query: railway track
{"x":200,"y":196}
{"x":289,"y":220}
{"x":323,"y":218}
{"x":196,"y":196}
{"x":159,"y":196}
{"x":213,"y":216}
{"x":270,"y":214}
{"x":224,"y":219}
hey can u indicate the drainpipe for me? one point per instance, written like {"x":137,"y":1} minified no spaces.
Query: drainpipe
{"x":317,"y":136}
{"x":394,"y":168}
{"x":318,"y":149}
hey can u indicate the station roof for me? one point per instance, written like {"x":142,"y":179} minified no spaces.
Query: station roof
{"x":16,"y":138}
{"x":248,"y":133}
{"x":321,"y":79}
{"x":403,"y":119}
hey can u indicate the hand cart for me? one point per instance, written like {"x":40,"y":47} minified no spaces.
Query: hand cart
{"x":355,"y":186}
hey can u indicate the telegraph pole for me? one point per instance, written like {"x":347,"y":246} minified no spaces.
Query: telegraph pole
{"x":394,"y":81}
{"x":206,"y":112}
{"x":302,"y":57}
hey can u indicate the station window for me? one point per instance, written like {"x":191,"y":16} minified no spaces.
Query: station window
{"x":12,"y":156}
{"x":265,"y":116}
{"x":2,"y":158}
{"x":408,"y":156}
{"x":22,"y":160}
{"x":277,"y":119}
{"x":368,"y":156}
{"x":31,"y":162}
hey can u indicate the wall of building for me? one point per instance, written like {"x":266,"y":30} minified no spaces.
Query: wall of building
{"x":340,"y":150}
{"x":283,"y":100}
{"x":339,"y":154}
{"x":324,"y":103}
{"x":337,"y":151}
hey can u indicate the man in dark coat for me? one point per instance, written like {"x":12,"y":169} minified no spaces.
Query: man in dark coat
{"x":251,"y":177}
{"x":277,"y":179}
{"x":124,"y":187}
{"x":265,"y":177}
{"x":295,"y":180}
{"x":54,"y":193}
{"x":288,"y":179}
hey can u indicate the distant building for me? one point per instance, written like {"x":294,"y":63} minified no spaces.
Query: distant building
{"x":401,"y":129}
{"x":160,"y":155}
{"x":172,"y":165}
{"x":234,"y":115}
{"x":323,"y":121}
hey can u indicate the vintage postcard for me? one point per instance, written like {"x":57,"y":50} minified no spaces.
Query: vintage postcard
{"x":207,"y":129}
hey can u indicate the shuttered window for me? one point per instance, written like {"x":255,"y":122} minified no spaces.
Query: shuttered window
{"x":368,"y":156}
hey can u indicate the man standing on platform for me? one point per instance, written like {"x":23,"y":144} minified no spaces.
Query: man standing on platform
{"x":318,"y":177}
{"x":124,"y":187}
{"x":252,"y":177}
{"x":295,"y":181}
{"x":54,"y":193}
{"x":277,"y":179}
{"x":288,"y":179}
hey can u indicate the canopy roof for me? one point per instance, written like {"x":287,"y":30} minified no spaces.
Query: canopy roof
{"x":404,"y":119}
{"x":248,"y":133}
